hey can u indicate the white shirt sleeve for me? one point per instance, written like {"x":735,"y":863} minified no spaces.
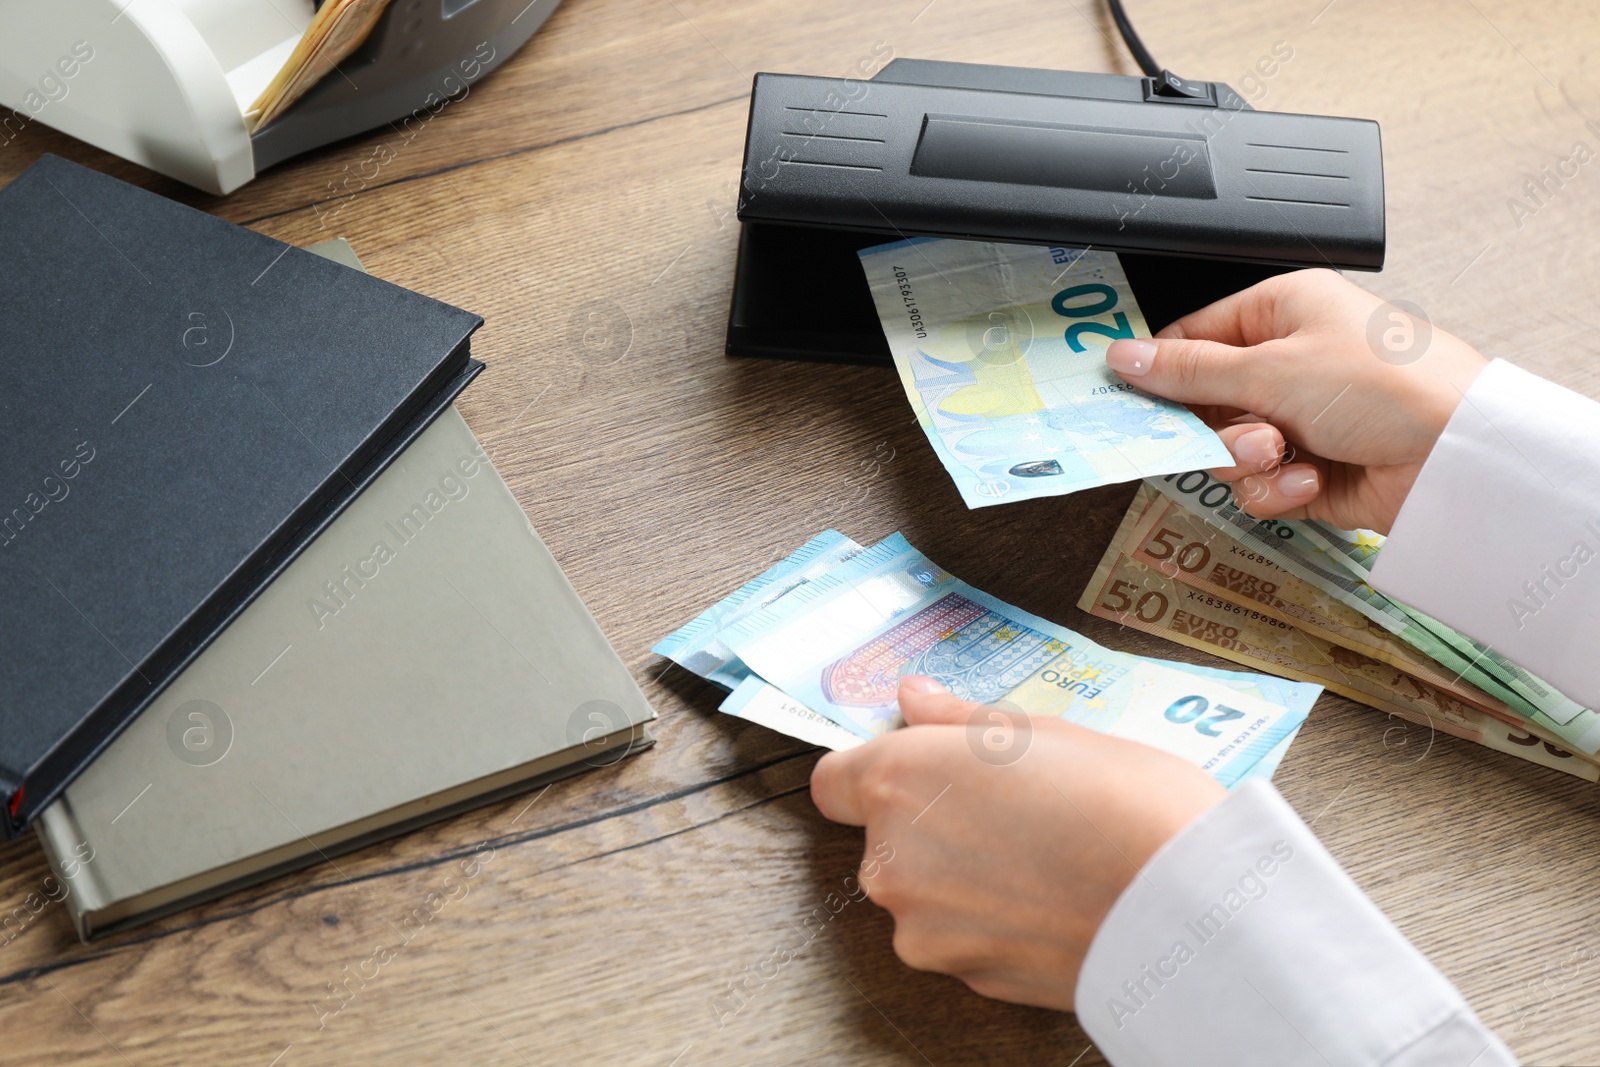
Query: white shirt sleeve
{"x":1242,"y":942}
{"x":1500,"y":536}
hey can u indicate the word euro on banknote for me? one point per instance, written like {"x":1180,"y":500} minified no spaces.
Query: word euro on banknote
{"x":759,"y":701}
{"x":1287,"y":544}
{"x":1164,"y":534}
{"x":840,"y":644}
{"x":1001,"y":349}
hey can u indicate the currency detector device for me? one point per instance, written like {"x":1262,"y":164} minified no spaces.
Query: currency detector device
{"x":165,"y":83}
{"x":1198,"y":193}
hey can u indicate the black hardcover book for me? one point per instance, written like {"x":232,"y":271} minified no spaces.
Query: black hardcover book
{"x":184,"y":404}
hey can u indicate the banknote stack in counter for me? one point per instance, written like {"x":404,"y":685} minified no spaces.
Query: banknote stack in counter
{"x":1291,"y":597}
{"x":1001,"y":349}
{"x":336,"y":30}
{"x":816,"y":646}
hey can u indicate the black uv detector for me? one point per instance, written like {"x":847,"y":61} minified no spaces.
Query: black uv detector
{"x":1198,"y":193}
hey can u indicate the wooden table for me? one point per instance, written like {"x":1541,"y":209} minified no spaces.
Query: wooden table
{"x":591,"y":181}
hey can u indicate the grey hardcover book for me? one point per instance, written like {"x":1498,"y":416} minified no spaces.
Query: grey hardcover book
{"x":186,"y":405}
{"x":424,"y":654}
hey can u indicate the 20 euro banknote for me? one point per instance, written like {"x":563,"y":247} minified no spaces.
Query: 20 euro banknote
{"x":840,"y":644}
{"x":697,"y":645}
{"x":1001,"y":349}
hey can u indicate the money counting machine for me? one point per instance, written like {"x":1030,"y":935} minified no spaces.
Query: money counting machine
{"x":165,"y":83}
{"x":1198,"y":193}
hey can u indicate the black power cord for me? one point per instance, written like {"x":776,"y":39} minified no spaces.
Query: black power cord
{"x":1162,"y":81}
{"x":1141,"y":54}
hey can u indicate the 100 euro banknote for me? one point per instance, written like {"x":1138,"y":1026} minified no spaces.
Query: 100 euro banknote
{"x":1001,"y":349}
{"x":840,"y":644}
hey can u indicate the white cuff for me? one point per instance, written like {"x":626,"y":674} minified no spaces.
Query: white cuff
{"x":1243,"y":942}
{"x":1500,"y":536}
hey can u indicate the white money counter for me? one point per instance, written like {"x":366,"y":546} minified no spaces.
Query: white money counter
{"x":165,"y":83}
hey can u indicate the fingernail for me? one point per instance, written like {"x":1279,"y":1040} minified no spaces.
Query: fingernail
{"x":1257,"y":448}
{"x":918,"y":683}
{"x":1132,"y":359}
{"x":1299,"y":484}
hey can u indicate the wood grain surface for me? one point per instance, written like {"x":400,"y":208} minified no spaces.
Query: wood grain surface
{"x":589,"y":186}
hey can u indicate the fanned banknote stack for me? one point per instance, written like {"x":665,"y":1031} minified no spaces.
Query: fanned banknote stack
{"x":1001,"y":349}
{"x":1293,"y":598}
{"x":815,"y":647}
{"x":336,"y":30}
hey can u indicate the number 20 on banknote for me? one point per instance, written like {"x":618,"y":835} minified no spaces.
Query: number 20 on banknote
{"x":1104,"y":299}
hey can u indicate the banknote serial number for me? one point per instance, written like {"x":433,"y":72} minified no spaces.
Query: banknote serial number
{"x":1234,"y":609}
{"x":1240,"y":550}
{"x":902,"y":282}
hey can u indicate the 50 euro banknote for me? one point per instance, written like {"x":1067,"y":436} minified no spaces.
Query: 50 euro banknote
{"x":1144,"y":598}
{"x":1161,"y":533}
{"x":1001,"y":349}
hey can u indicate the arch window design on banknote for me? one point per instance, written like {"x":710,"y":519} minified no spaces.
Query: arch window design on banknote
{"x":975,"y":652}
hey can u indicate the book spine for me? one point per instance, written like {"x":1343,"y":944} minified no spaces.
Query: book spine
{"x":71,"y":854}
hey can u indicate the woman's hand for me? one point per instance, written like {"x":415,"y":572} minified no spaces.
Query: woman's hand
{"x":1358,"y":390}
{"x":1000,"y":842}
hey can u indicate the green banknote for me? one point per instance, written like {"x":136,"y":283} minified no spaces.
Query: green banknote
{"x":1353,"y":549}
{"x":1357,"y":551}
